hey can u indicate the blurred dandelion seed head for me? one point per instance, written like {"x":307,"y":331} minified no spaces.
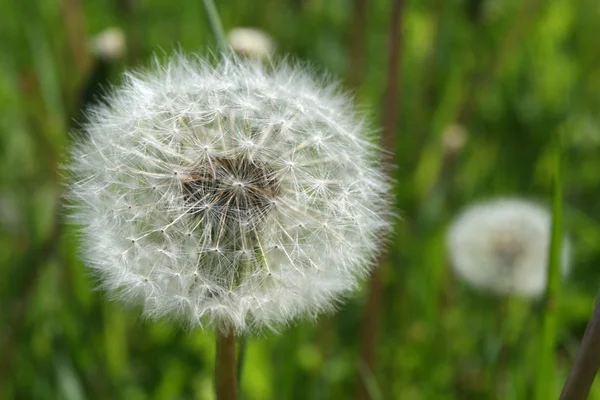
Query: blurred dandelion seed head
{"x":502,"y":246}
{"x":454,"y":138}
{"x":110,"y":44}
{"x":231,"y":196}
{"x":251,"y":43}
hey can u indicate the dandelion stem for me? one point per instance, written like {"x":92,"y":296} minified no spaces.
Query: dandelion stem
{"x":356,"y":56}
{"x":215,"y":23}
{"x":587,"y":361}
{"x":546,"y":359}
{"x":225,"y":366}
{"x":372,"y":313}
{"x":241,"y":358}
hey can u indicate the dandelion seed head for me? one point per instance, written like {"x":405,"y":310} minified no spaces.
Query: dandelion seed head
{"x":228,"y":196}
{"x":454,"y":138}
{"x":502,"y":246}
{"x":252,"y":43}
{"x":110,"y":44}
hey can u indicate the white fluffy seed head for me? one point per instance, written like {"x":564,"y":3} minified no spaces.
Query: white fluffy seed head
{"x":502,"y":246}
{"x":235,"y":196}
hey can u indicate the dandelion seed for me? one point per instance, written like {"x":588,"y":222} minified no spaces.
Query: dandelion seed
{"x":231,"y":196}
{"x":502,"y":246}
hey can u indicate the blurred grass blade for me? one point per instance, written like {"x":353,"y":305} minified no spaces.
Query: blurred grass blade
{"x":54,"y":133}
{"x":546,"y":360}
{"x":69,"y":386}
{"x":370,"y":383}
{"x":215,"y":23}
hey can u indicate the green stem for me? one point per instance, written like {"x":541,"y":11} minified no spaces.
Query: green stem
{"x":241,"y":359}
{"x":546,"y":360}
{"x":373,"y":310}
{"x":587,"y":362}
{"x":226,"y":367}
{"x":499,"y":365}
{"x":215,"y":23}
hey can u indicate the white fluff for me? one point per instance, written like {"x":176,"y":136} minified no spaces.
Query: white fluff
{"x":252,"y":43}
{"x":110,"y":44}
{"x":502,"y":246}
{"x":234,"y":196}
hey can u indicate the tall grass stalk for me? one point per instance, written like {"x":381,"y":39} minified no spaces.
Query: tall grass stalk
{"x":510,"y":318}
{"x":546,"y":359}
{"x":587,"y":362}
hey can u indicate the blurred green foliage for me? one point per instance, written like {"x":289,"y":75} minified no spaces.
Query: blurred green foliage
{"x":510,"y":74}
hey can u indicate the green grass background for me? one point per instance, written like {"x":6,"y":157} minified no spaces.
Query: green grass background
{"x":514,"y":74}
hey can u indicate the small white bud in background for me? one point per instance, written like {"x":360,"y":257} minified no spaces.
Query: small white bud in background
{"x":251,"y":43}
{"x":454,"y":138}
{"x":11,"y":218}
{"x":502,"y":246}
{"x":109,"y":44}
